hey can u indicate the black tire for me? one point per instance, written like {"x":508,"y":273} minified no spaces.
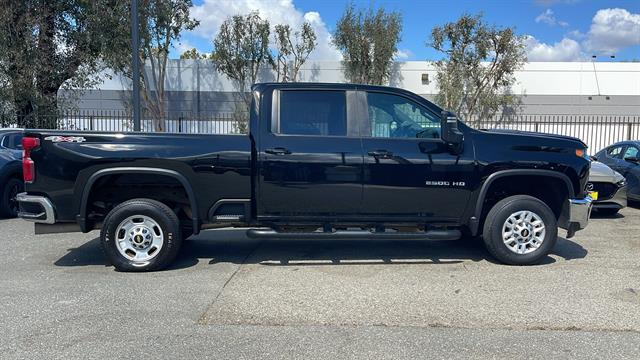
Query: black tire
{"x":498,"y":215}
{"x":607,"y":211}
{"x":161,"y":214}
{"x":8,"y":203}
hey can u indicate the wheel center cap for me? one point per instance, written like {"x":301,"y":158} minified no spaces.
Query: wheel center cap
{"x":138,"y":239}
{"x":524,"y":233}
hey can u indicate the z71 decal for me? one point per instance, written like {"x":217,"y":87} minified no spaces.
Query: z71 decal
{"x":57,"y":139}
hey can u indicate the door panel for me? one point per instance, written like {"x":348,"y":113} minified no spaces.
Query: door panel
{"x":308,"y":165}
{"x":420,"y":178}
{"x":408,"y":171}
{"x":630,"y":170}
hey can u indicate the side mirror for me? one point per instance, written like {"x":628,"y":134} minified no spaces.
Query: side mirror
{"x":632,"y":159}
{"x":593,"y":158}
{"x":450,"y":132}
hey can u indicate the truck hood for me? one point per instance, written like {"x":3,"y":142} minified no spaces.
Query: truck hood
{"x":602,"y":173}
{"x":536,"y":134}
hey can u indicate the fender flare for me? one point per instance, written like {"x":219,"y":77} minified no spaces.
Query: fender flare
{"x":81,"y":218}
{"x":477,"y":213}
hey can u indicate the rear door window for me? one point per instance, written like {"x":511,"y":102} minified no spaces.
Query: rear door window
{"x":313,"y":112}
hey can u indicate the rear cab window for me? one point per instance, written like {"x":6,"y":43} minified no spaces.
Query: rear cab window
{"x":312,"y":112}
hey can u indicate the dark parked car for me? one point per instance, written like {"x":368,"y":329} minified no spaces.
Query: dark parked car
{"x":10,"y":170}
{"x":608,"y":189}
{"x":624,"y":157}
{"x":320,"y":161}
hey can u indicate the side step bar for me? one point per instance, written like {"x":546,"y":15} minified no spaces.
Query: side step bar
{"x":354,"y":235}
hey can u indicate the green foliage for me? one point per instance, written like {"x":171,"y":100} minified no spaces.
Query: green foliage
{"x":476,"y":75}
{"x":193,"y":54}
{"x":241,"y":50}
{"x":45,"y":44}
{"x":161,"y":23}
{"x":368,"y":41}
{"x":293,"y":49}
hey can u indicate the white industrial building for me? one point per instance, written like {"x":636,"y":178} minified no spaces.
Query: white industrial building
{"x":607,"y":88}
{"x":596,"y":101}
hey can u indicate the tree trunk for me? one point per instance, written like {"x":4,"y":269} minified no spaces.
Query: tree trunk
{"x":24,"y":113}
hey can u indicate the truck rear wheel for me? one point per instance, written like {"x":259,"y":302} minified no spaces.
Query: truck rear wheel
{"x":141,"y":235}
{"x":520,"y":230}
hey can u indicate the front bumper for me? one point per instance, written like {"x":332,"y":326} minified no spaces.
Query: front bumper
{"x":36,"y":208}
{"x":579,"y":213}
{"x":617,"y":201}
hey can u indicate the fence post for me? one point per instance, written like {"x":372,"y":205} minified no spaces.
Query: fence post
{"x":629,"y":131}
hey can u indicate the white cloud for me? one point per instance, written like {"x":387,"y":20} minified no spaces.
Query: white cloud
{"x":564,"y":50}
{"x":212,"y":13}
{"x":182,"y":46}
{"x":402,"y":54}
{"x":549,"y":18}
{"x":612,"y":30}
{"x":576,"y":34}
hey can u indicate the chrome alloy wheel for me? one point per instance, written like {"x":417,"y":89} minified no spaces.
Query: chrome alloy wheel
{"x":523,"y":232}
{"x":139,"y":238}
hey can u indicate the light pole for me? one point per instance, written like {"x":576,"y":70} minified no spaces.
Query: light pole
{"x":595,"y":73}
{"x":135,"y":63}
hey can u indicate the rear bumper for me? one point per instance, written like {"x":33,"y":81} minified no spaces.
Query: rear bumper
{"x":36,"y":208}
{"x":578,"y":216}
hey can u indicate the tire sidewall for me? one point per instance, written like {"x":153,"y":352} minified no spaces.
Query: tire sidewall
{"x":170,"y":231}
{"x":506,"y":209}
{"x":6,"y":193}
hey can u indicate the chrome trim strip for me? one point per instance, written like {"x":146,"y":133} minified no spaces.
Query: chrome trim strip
{"x":49,"y":214}
{"x":579,"y":211}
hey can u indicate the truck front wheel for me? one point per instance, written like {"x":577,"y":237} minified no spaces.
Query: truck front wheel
{"x":520,"y":230}
{"x":141,"y":235}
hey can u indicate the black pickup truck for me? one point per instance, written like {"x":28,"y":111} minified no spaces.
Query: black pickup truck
{"x":320,"y":161}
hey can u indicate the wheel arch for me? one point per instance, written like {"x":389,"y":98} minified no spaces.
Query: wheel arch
{"x":89,"y":184}
{"x":479,"y":208}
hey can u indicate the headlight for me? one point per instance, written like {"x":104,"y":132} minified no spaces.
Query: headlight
{"x":582,"y":153}
{"x":619,"y":179}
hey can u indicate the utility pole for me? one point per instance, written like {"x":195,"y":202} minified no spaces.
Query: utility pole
{"x":135,"y":59}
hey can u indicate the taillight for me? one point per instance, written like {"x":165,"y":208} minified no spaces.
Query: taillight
{"x":28,"y":166}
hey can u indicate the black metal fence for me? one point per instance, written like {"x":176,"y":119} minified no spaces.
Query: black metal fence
{"x":122,"y":121}
{"x":597,"y":131}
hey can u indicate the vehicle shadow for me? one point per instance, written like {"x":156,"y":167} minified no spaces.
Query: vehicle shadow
{"x":598,"y":215}
{"x":232,"y":247}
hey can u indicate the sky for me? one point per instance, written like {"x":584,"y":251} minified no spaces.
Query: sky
{"x":555,"y":30}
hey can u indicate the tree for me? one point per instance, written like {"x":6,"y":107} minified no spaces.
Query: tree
{"x":475,"y":77}
{"x":193,"y":54}
{"x":161,"y":24}
{"x":368,"y":40}
{"x":241,"y":50}
{"x":45,"y":44}
{"x":293,"y":49}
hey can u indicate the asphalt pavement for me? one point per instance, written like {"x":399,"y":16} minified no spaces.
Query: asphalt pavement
{"x":228,"y":296}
